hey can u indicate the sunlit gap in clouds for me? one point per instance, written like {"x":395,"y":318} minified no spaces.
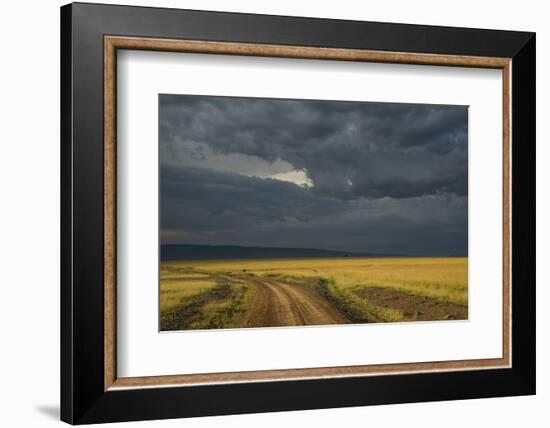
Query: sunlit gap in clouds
{"x":298,"y":177}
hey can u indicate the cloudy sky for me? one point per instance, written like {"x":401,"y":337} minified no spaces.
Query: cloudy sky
{"x":349,"y":176}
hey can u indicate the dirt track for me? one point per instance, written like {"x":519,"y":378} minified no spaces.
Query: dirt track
{"x":280,"y":304}
{"x":245,"y":299}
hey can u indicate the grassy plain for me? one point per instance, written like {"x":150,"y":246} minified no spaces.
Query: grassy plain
{"x":230,"y":293}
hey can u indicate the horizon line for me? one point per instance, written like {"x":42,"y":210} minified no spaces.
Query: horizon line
{"x":357,"y":253}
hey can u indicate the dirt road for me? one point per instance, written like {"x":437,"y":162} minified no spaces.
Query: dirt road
{"x":277,"y":303}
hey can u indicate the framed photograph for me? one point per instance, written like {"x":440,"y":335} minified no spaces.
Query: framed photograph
{"x":265,"y":213}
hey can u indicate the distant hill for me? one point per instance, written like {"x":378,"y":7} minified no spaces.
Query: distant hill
{"x":202,"y":252}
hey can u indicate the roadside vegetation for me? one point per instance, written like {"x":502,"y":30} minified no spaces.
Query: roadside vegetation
{"x":223,"y":293}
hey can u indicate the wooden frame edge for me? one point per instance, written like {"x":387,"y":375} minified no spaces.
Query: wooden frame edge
{"x":301,"y":52}
{"x":112,"y":43}
{"x":507,"y":213}
{"x":298,"y":374}
{"x":109,"y":198}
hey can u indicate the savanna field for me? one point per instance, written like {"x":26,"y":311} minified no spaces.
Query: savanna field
{"x":290,"y":292}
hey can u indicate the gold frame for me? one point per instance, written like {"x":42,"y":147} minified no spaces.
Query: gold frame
{"x":113,"y":43}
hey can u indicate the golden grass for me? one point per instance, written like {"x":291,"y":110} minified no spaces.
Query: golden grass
{"x":222,"y":292}
{"x":442,"y":278}
{"x":177,"y":286}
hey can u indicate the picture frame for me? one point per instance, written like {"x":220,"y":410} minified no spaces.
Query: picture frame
{"x":91,"y":390}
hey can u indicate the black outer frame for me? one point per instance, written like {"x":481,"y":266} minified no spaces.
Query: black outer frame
{"x":83,"y":399}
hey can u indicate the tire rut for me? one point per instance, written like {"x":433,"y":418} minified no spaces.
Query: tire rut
{"x":281,"y":304}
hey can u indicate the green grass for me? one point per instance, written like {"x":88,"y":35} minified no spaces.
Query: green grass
{"x":228,"y":313}
{"x":357,"y":309}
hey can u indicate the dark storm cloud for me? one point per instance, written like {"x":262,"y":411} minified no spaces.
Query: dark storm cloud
{"x":348,"y":150}
{"x":206,"y":207}
{"x":219,"y":207}
{"x":373,"y":177}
